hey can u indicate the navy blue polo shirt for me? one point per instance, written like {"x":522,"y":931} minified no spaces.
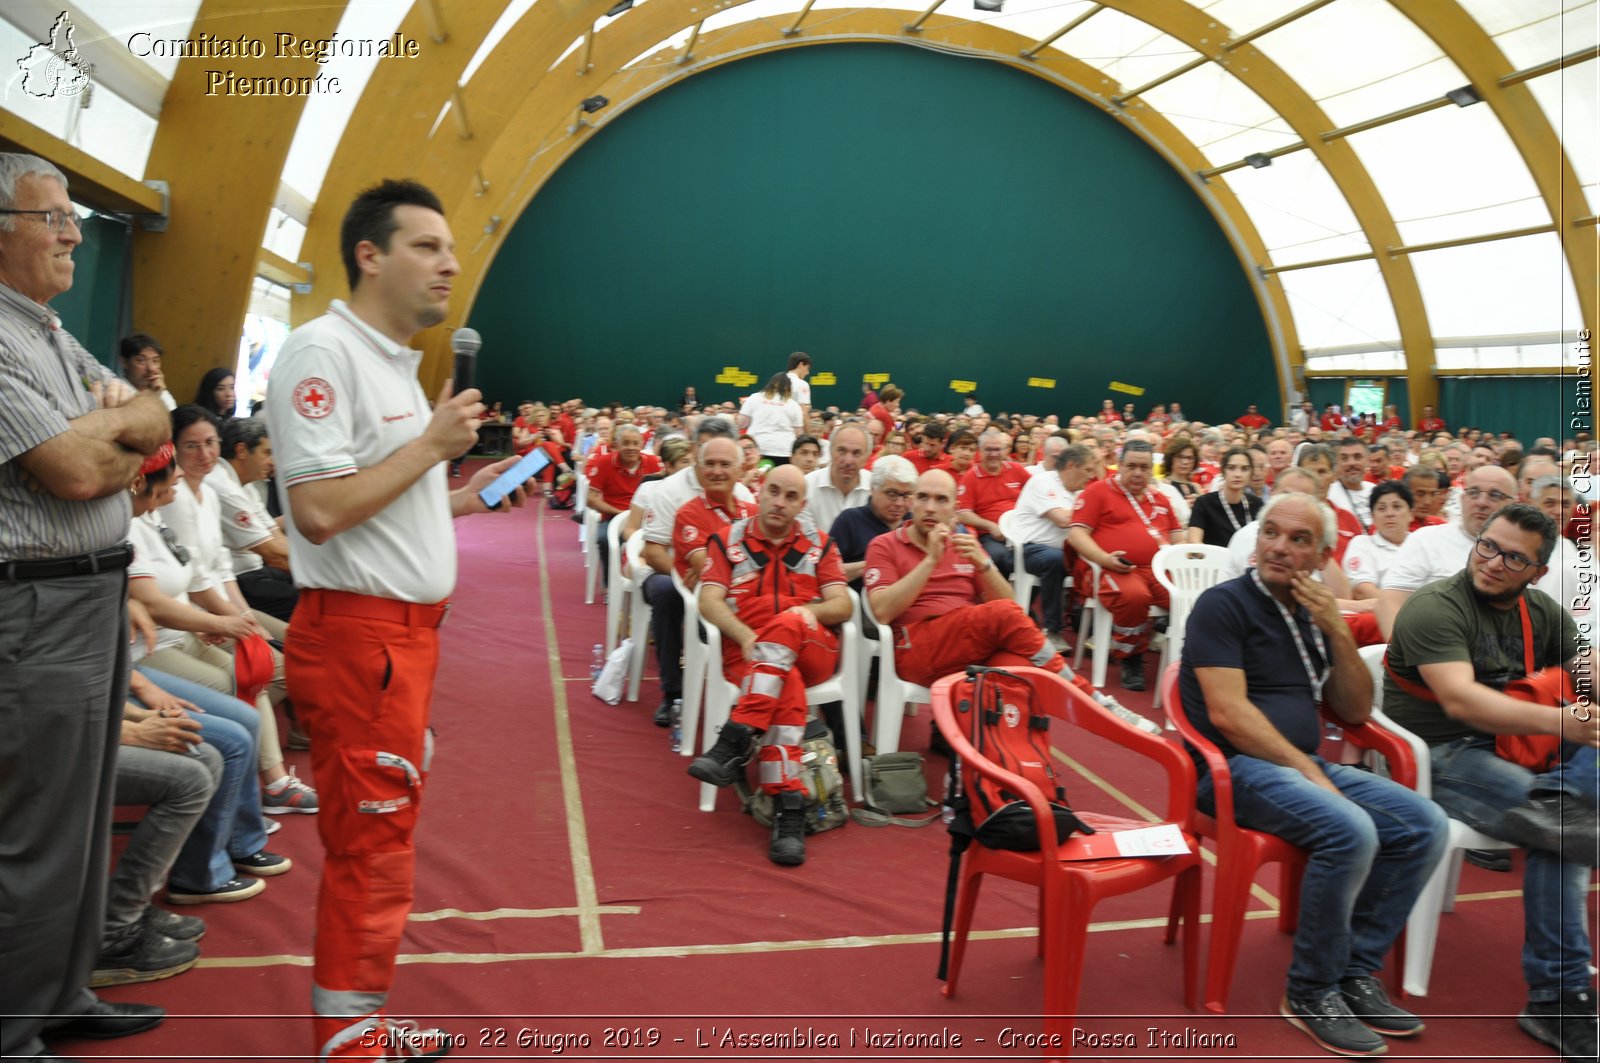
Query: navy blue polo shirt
{"x":853,"y":531}
{"x":1235,"y":625}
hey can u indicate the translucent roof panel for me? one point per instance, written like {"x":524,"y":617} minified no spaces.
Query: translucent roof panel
{"x":1571,"y":101}
{"x":665,"y":51}
{"x":1489,"y":356}
{"x":1532,"y":31}
{"x":162,"y":19}
{"x":1337,"y":306}
{"x":283,"y":235}
{"x":1298,"y":210}
{"x":326,"y":114}
{"x":1363,"y":362}
{"x":1225,"y":119}
{"x":1034,"y":19}
{"x":1131,"y":52}
{"x":1450,"y":172}
{"x":1498,"y":288}
{"x":771,"y":10}
{"x":1361,"y":58}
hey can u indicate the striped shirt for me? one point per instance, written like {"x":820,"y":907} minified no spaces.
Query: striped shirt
{"x":44,"y":383}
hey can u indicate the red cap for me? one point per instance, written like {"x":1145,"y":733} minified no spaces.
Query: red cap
{"x":159,"y":460}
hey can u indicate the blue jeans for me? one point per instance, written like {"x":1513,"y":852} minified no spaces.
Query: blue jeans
{"x":1477,"y":787}
{"x":1046,"y":563}
{"x":1370,"y":853}
{"x":232,"y":824}
{"x":666,"y":624}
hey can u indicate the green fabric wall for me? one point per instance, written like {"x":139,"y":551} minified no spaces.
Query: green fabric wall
{"x":888,"y":210}
{"x":1526,"y":406}
{"x":98,"y":307}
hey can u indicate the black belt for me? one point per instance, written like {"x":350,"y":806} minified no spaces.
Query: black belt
{"x":110,"y":559}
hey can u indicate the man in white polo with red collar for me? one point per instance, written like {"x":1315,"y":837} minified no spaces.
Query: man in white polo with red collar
{"x":368,"y":509}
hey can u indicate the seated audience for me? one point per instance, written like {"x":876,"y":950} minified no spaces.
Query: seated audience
{"x":1368,"y":556}
{"x":215,"y":394}
{"x":1217,"y":516}
{"x":806,"y":455}
{"x":987,"y":492}
{"x":843,"y":483}
{"x":615,"y":478}
{"x":1044,"y":513}
{"x":853,"y":530}
{"x":140,"y":356}
{"x":259,"y":548}
{"x":929,"y":452}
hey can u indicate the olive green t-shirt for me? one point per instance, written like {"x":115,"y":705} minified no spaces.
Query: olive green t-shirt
{"x":1446,"y":621}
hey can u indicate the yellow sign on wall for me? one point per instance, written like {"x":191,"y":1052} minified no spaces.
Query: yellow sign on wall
{"x":1127,"y":389}
{"x":877,"y":380}
{"x":964,"y":386}
{"x":732,"y":374}
{"x":1041,"y":382}
{"x":823,"y":379}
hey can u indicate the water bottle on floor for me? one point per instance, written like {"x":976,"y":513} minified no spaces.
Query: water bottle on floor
{"x":677,"y":725}
{"x":597,"y":662}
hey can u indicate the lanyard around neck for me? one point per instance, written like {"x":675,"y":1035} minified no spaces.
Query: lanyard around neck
{"x":1317,"y":680}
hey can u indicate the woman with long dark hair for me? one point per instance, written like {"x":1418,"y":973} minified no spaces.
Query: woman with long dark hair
{"x":215,"y":394}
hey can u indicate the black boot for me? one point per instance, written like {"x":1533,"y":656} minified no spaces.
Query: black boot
{"x":1133,"y":672}
{"x":722,"y":764}
{"x":788,"y":829}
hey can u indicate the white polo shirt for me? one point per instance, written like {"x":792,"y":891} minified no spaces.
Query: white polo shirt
{"x":1428,"y":554}
{"x":1368,"y":557}
{"x":1040,"y":495}
{"x":153,"y":559}
{"x":799,"y":390}
{"x":197,"y":521}
{"x":824,"y":502}
{"x":245,"y":521}
{"x":343,"y":398}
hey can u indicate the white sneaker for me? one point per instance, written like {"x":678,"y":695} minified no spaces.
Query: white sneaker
{"x":1127,"y":715}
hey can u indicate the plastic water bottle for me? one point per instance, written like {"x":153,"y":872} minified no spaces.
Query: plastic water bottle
{"x":677,"y":725}
{"x":597,"y":662}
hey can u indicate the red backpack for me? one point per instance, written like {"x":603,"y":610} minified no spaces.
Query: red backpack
{"x":1552,"y":686}
{"x":1007,"y":728}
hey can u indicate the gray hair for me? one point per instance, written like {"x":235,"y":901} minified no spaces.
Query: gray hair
{"x":246,"y":430}
{"x":1330,"y":522}
{"x":1537,"y":489}
{"x":848,"y":426}
{"x":1076,"y":454}
{"x":892,"y":468}
{"x":13,"y":166}
{"x":714,"y":428}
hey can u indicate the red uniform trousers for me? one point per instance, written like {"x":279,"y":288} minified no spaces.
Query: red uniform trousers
{"x":1364,"y":626}
{"x":360,"y":670}
{"x":792,"y":651}
{"x":995,"y":633}
{"x":1129,"y":596}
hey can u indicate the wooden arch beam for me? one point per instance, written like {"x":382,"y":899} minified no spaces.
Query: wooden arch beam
{"x":221,"y":156}
{"x":1463,"y":40}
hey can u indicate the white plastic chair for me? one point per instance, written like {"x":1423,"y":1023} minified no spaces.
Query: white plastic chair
{"x":1439,"y":895}
{"x":894,"y":693}
{"x":1094,"y":624}
{"x":618,"y":586}
{"x":638,"y":612}
{"x":694,"y":665}
{"x":1023,"y":583}
{"x":720,"y":696}
{"x":1185,"y":570}
{"x":590,"y":537}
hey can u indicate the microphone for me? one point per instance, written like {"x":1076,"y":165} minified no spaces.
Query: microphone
{"x":465,"y":342}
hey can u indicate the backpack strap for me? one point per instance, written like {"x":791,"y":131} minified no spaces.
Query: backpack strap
{"x":1422,"y":693}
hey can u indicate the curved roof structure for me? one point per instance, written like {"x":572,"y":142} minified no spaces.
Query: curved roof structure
{"x":1412,"y":183}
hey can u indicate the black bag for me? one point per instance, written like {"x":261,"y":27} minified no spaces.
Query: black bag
{"x":1007,"y":728}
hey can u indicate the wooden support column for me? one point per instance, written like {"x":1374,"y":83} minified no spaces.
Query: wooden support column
{"x":222,"y":154}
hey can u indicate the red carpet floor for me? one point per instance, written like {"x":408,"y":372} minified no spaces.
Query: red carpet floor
{"x":569,"y":889}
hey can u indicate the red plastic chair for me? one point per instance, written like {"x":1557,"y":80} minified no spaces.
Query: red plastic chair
{"x":1241,"y":852}
{"x":1069,"y":890}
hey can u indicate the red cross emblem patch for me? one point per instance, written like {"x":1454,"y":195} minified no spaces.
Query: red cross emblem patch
{"x":313,"y":397}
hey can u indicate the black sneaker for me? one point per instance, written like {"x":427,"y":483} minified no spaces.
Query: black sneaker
{"x":788,"y":829}
{"x":1327,"y":1020}
{"x":175,"y":926}
{"x":665,"y":712}
{"x":1556,"y":823}
{"x":1365,"y":997}
{"x":263,"y":864}
{"x":1488,"y":859}
{"x":1566,"y":1024}
{"x":235,"y":889}
{"x":1133,"y":672}
{"x":722,"y":764}
{"x":142,"y":956}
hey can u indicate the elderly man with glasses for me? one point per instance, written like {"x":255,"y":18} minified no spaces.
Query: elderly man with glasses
{"x":893,"y":478}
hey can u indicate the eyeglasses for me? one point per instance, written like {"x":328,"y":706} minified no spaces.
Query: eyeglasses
{"x":896,"y":496}
{"x":196,"y":445}
{"x":1499,"y":498}
{"x":1488,"y":549}
{"x":179,"y":551}
{"x":54,"y":220}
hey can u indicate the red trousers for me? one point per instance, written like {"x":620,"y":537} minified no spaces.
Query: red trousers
{"x":996,"y":633}
{"x":1129,"y":596}
{"x":792,"y":651}
{"x":360,"y":670}
{"x":1364,"y":626}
